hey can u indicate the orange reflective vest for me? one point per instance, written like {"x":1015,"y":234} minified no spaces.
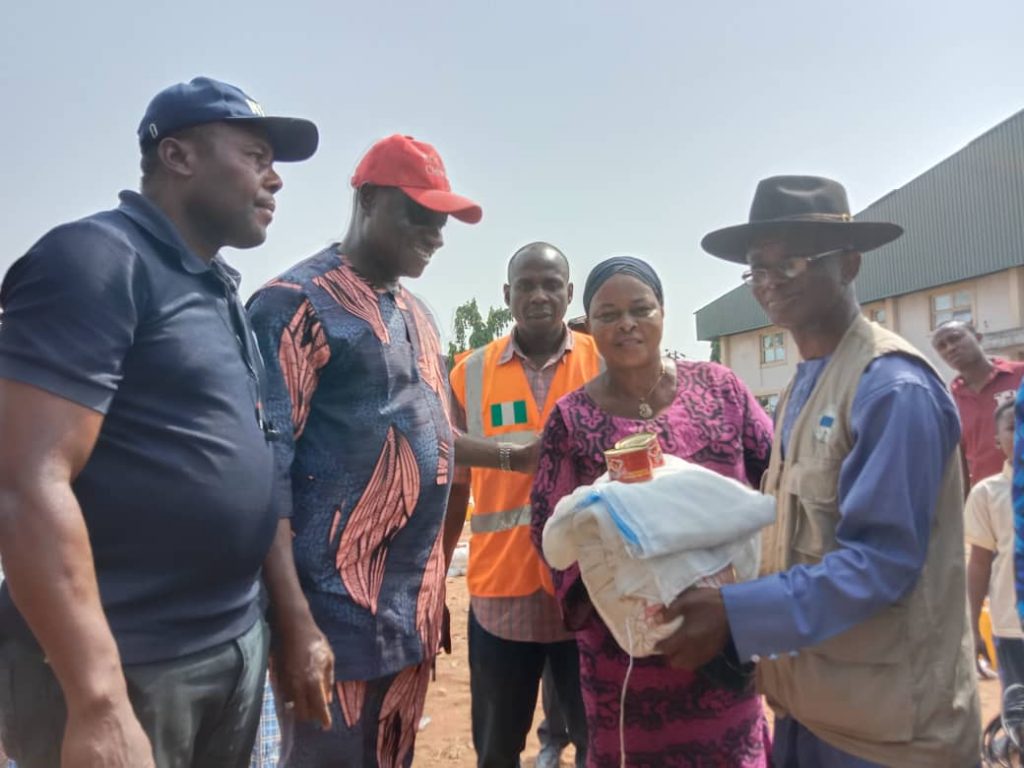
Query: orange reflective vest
{"x":499,"y":405}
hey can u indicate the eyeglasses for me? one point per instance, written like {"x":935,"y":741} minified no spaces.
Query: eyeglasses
{"x":790,"y":267}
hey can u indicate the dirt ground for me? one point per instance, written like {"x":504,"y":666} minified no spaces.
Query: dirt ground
{"x":446,"y":739}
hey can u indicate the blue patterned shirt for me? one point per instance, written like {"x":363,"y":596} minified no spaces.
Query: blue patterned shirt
{"x":358,"y":388}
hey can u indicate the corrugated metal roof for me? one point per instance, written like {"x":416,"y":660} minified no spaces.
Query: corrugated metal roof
{"x":735,"y":312}
{"x":963,"y":218}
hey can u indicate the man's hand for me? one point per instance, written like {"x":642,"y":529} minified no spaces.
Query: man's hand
{"x":105,"y":738}
{"x":704,"y":632}
{"x":303,"y":664}
{"x":979,"y":576}
{"x":980,"y":649}
{"x":304,"y":672}
{"x":524,"y":458}
{"x":446,"y":631}
{"x":983,"y":662}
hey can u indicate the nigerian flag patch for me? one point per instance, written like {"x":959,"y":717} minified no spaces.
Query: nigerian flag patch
{"x":505,"y":414}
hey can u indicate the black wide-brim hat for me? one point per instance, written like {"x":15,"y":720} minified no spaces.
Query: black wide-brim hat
{"x":809,"y":213}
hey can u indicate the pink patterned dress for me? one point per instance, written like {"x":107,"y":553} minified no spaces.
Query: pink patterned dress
{"x":672,"y":717}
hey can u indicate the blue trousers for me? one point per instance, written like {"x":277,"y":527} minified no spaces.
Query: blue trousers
{"x":374,"y":724}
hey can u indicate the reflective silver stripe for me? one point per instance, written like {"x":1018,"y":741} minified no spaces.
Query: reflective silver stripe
{"x":475,"y":406}
{"x":496,"y":522}
{"x":475,"y":392}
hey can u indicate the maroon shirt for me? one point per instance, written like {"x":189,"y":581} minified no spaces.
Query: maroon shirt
{"x":977,"y":410}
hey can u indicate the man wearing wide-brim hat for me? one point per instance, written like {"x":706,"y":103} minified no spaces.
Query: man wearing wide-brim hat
{"x":859,"y":623}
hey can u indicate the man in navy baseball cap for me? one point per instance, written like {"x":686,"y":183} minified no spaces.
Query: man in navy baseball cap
{"x":205,"y":100}
{"x":139,"y":508}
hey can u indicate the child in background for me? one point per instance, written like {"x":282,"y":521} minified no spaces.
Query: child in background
{"x":988,"y":528}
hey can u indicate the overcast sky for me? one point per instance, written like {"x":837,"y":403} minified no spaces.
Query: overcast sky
{"x":602,"y":127}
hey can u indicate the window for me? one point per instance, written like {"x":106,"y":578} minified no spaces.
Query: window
{"x":878,"y":315}
{"x":955,"y":305}
{"x":773,"y":348}
{"x":769,"y":403}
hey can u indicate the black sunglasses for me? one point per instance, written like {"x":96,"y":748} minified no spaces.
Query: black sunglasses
{"x":421,"y":216}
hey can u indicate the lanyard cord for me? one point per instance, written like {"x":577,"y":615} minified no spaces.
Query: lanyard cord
{"x":247,"y":347}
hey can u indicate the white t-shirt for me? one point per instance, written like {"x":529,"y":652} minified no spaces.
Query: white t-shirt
{"x":988,"y":523}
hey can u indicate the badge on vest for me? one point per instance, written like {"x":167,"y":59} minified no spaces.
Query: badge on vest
{"x":507,"y":414}
{"x":1006,"y":396}
{"x":826,"y":423}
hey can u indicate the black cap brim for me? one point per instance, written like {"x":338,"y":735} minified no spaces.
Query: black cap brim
{"x":462,"y":208}
{"x":292,"y":138}
{"x":732,"y":243}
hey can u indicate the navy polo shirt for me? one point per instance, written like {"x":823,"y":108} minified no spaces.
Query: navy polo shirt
{"x":115,"y":313}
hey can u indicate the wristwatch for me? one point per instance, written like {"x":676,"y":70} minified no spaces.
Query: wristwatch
{"x":505,"y":456}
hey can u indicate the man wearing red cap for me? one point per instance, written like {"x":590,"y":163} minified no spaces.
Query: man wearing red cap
{"x":359,"y":391}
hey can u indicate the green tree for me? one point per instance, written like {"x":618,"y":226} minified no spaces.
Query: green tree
{"x":473,"y":331}
{"x":716,"y":351}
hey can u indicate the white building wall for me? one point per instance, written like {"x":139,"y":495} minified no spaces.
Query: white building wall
{"x":998,"y":305}
{"x":993,"y":310}
{"x":745,"y":359}
{"x":914,"y":320}
{"x":996,"y":310}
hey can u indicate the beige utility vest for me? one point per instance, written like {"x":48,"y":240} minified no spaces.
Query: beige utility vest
{"x":900,"y":688}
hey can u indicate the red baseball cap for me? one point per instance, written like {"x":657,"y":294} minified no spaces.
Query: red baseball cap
{"x":416,"y":169}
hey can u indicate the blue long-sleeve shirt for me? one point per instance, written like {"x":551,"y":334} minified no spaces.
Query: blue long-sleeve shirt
{"x":905,"y":428}
{"x":1018,"y":503}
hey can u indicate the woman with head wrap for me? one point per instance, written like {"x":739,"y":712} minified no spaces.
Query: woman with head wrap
{"x":702,"y":413}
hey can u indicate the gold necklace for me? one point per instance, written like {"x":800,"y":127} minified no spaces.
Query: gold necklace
{"x":645,"y":410}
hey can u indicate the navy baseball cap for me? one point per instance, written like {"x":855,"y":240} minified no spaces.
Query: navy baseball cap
{"x":205,"y":100}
